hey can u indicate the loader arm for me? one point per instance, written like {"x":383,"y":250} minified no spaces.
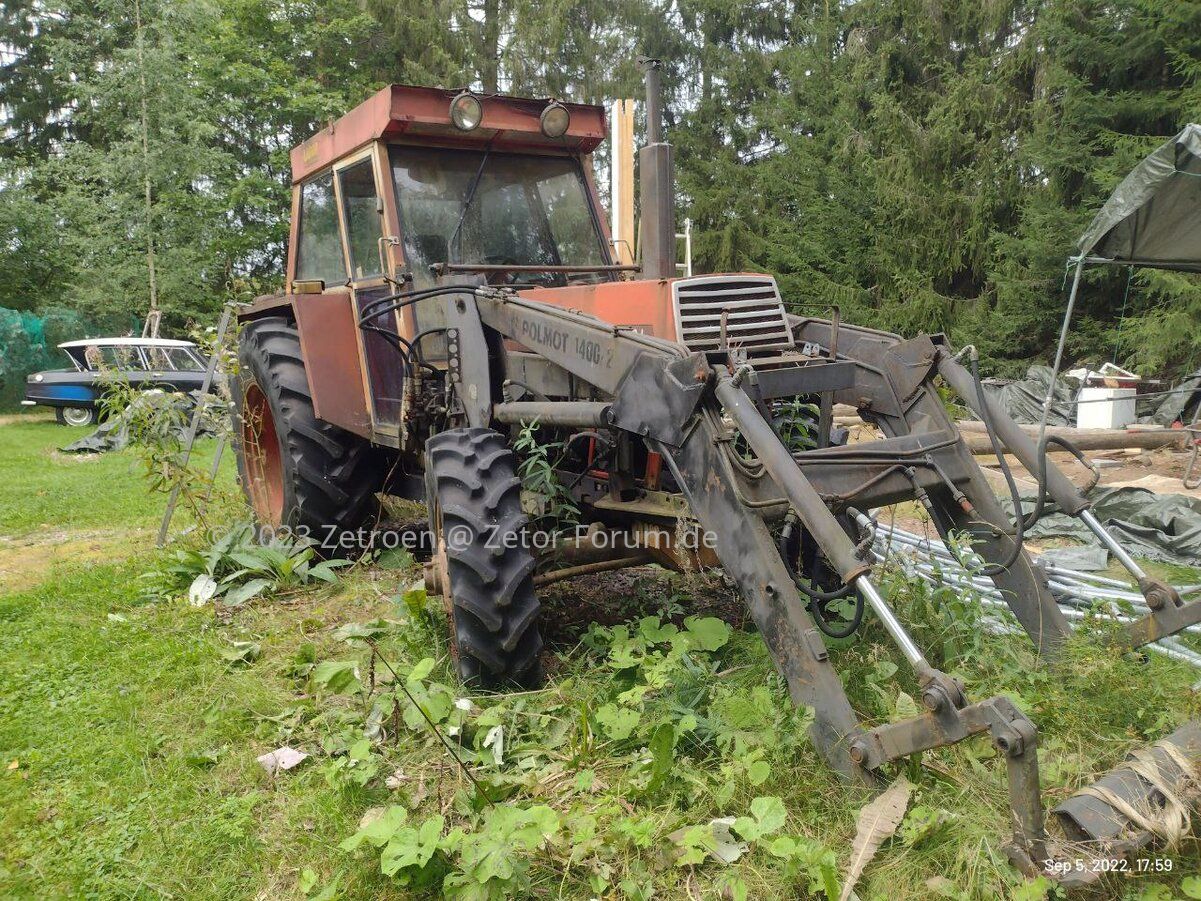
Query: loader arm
{"x":690,"y":410}
{"x":678,"y":403}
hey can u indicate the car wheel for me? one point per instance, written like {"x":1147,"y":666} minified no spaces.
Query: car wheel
{"x":76,"y":416}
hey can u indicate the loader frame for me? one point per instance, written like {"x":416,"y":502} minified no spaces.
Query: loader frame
{"x":685,"y":409}
{"x":690,"y":407}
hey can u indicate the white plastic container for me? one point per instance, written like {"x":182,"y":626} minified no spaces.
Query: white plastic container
{"x":1105,"y":408}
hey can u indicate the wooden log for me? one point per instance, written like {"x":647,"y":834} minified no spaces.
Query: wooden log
{"x":976,"y":438}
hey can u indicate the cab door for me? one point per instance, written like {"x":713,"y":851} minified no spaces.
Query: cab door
{"x":361,"y":208}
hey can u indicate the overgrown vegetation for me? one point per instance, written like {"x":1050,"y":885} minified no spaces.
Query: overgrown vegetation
{"x":664,"y":758}
{"x":239,"y":566}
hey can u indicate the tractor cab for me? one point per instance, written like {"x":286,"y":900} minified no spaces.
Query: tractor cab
{"x":419,"y":187}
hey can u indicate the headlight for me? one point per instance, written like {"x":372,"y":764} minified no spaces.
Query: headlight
{"x":466,"y":111}
{"x":37,"y":377}
{"x":555,"y":119}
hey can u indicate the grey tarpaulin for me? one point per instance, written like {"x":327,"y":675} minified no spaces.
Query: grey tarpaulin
{"x":1181,"y":404}
{"x":1153,"y":218}
{"x":1022,"y":400}
{"x":113,"y":433}
{"x":1163,"y":527}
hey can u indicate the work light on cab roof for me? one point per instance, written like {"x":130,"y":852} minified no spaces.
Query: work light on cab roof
{"x":466,"y":111}
{"x":555,"y":120}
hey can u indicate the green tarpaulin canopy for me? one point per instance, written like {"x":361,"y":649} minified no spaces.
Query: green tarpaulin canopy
{"x":1153,"y":218}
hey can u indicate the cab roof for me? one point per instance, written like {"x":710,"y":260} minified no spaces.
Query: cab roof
{"x":416,"y":114}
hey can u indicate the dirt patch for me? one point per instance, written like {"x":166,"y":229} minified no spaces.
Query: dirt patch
{"x":1159,"y":470}
{"x":25,"y":561}
{"x":570,"y":607}
{"x":10,"y":418}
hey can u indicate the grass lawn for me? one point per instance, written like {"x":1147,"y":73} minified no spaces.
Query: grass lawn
{"x":129,"y":737}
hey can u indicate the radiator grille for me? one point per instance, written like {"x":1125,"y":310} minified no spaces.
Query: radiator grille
{"x":755,"y":317}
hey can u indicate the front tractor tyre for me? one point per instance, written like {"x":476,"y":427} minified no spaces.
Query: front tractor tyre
{"x":482,"y":566}
{"x":300,"y":474}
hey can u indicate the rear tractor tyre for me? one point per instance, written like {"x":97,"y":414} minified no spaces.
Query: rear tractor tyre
{"x":299,"y":473}
{"x":481,"y":566}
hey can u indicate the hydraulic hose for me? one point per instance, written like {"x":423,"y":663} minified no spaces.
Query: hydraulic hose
{"x":818,"y":597}
{"x":1022,"y":522}
{"x":394,"y":302}
{"x":1019,"y":531}
{"x":1040,"y":499}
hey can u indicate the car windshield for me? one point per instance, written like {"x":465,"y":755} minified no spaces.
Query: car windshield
{"x":524,"y":210}
{"x":175,"y":358}
{"x":133,"y":357}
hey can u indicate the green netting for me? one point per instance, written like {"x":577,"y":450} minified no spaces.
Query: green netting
{"x":29,"y":342}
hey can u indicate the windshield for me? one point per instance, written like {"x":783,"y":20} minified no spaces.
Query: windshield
{"x":525,"y":210}
{"x":132,"y":357}
{"x":178,"y":358}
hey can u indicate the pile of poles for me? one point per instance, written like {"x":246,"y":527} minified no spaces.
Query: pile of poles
{"x":1079,"y":594}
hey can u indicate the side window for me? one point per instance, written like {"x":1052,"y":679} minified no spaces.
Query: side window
{"x":359,"y":205}
{"x":319,"y":254}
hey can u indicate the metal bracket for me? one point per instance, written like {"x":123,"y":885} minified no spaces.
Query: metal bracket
{"x":467,"y":359}
{"x":910,"y":364}
{"x":657,"y":401}
{"x":1014,"y":736}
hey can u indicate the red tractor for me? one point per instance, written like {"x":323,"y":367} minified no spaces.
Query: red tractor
{"x":451,"y":281}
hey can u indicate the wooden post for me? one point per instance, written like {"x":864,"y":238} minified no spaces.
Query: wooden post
{"x":622,"y":181}
{"x":194,"y":427}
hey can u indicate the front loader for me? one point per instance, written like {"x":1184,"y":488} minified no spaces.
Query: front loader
{"x":451,"y":284}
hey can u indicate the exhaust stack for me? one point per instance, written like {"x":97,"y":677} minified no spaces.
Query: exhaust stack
{"x":657,"y":187}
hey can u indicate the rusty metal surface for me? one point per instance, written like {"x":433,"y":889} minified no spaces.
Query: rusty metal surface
{"x":266,"y":305}
{"x":578,"y":414}
{"x":1088,"y":818}
{"x":329,"y":340}
{"x":641,"y":305}
{"x":809,"y":379}
{"x":1168,"y":620}
{"x":404,"y":112}
{"x":658,"y":400}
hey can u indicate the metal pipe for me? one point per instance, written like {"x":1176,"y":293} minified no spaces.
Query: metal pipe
{"x":569,"y":414}
{"x":891,"y":624}
{"x":776,"y":459}
{"x":654,"y":100}
{"x":585,"y":569}
{"x":657,"y":237}
{"x":935,"y":547}
{"x":1063,"y":338}
{"x":1094,"y":526}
